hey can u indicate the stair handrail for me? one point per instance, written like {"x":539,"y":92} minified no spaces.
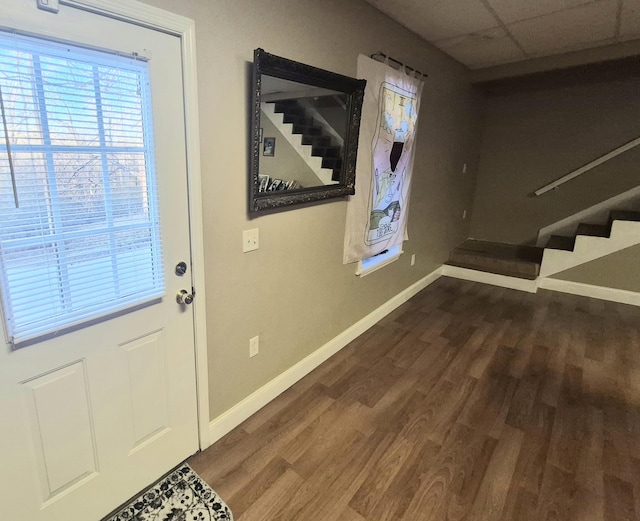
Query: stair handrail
{"x":585,"y":168}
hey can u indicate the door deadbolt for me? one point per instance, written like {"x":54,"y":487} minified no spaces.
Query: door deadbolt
{"x":184,"y":297}
{"x":181,"y":268}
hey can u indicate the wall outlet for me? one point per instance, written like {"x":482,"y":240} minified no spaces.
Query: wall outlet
{"x":254,"y":346}
{"x":250,"y":240}
{"x":413,"y":259}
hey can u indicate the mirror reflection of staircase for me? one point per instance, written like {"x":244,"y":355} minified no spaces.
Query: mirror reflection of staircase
{"x":589,"y":242}
{"x":313,"y":135}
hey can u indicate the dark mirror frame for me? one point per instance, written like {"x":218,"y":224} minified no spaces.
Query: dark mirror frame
{"x":278,"y":67}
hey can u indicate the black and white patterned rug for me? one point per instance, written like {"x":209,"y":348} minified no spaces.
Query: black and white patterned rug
{"x":180,"y":496}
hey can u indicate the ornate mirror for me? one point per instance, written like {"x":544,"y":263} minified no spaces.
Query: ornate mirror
{"x":305,"y":125}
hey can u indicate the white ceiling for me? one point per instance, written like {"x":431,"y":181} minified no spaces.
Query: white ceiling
{"x":485,"y":33}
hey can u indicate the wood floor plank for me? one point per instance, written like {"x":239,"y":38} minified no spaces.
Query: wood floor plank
{"x":533,"y":457}
{"x":587,"y":506}
{"x":383,"y":472}
{"x":520,"y":413}
{"x":619,"y":504}
{"x":266,"y":506}
{"x":394,"y":502}
{"x":468,"y":402}
{"x":490,"y":501}
{"x":254,"y":489}
{"x":456,"y":461}
{"x":557,"y":497}
{"x":523,"y":507}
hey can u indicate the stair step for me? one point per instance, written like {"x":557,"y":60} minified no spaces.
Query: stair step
{"x":296,"y":119}
{"x":326,"y":151}
{"x":318,"y":141}
{"x":512,"y":260}
{"x":288,"y":107}
{"x":624,"y":215}
{"x":594,"y":230}
{"x":560,"y":242}
{"x":306,"y":130}
{"x":503,"y":250}
{"x":334,"y":163}
{"x":519,"y":269}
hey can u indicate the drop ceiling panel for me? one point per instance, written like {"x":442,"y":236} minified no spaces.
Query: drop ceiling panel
{"x":566,"y":30}
{"x":483,"y":48}
{"x":481,"y":33}
{"x":439,"y":19}
{"x":510,"y":11}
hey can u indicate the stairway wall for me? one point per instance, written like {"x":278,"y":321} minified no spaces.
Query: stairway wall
{"x":537,"y":131}
{"x":618,"y":271}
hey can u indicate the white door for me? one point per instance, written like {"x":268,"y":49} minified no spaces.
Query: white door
{"x":90,"y":417}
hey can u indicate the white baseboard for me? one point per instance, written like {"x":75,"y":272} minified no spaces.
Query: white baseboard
{"x":258,"y":399}
{"x":587,"y":290}
{"x":529,"y":286}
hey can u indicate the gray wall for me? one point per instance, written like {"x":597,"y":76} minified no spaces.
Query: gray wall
{"x":294,"y":291}
{"x":536,"y":134}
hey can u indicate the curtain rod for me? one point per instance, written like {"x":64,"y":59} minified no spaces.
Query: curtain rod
{"x":381,"y":57}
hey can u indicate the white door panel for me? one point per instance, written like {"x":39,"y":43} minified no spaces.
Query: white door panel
{"x":89,"y":418}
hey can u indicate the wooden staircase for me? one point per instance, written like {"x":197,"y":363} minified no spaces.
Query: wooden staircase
{"x":590,"y":242}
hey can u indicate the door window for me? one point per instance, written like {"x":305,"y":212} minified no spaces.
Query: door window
{"x":79,"y":230}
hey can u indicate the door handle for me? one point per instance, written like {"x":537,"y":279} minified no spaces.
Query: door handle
{"x":184,"y":297}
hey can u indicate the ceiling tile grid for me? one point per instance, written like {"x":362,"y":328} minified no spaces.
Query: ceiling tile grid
{"x":568,"y":29}
{"x":483,"y":48}
{"x":440,"y":19}
{"x":483,"y":33}
{"x":510,"y":11}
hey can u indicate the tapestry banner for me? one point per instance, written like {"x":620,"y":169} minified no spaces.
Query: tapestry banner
{"x":377,"y":213}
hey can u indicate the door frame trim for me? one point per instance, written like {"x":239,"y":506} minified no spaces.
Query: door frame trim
{"x":184,"y":28}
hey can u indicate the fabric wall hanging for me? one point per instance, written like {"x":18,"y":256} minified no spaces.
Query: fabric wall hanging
{"x":377,"y":213}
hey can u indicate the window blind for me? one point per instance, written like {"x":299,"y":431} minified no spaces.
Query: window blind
{"x":79,"y":227}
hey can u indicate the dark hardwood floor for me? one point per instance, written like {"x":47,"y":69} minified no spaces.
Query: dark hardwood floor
{"x":469,"y":402}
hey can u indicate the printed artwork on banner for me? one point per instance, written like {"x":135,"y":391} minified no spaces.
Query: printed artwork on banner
{"x":377,"y":213}
{"x":391,"y":152}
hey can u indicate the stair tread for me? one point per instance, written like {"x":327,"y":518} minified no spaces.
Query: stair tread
{"x":503,"y":250}
{"x":306,"y":130}
{"x":495,"y":269}
{"x":560,"y":242}
{"x":321,"y":141}
{"x":512,"y":260}
{"x":624,"y":215}
{"x":489,"y":259}
{"x":326,"y":151}
{"x":594,"y":230}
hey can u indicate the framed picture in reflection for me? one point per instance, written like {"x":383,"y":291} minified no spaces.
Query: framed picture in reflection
{"x":269,"y":147}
